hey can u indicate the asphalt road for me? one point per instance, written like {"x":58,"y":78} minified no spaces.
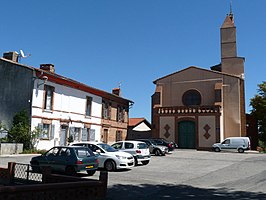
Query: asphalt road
{"x":187,"y":174}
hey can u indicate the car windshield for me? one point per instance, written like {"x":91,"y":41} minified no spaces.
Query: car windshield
{"x":151,"y":141}
{"x":142,"y":146}
{"x":107,"y":147}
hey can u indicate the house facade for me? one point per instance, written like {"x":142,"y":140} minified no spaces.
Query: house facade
{"x":197,"y":107}
{"x":63,"y":109}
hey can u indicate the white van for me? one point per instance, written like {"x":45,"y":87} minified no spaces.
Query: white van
{"x":233,"y":143}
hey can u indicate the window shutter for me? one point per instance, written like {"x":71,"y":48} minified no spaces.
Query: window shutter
{"x":92,"y":134}
{"x":52,"y":132}
{"x":84,"y":136}
{"x":40,"y":126}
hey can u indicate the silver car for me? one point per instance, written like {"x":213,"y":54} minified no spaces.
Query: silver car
{"x":139,"y":150}
{"x":109,"y":158}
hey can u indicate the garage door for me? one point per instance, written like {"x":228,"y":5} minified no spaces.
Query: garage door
{"x":186,"y":135}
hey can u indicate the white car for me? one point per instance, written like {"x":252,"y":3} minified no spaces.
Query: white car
{"x":139,"y":150}
{"x":109,"y":158}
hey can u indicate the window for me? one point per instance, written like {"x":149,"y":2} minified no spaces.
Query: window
{"x":75,"y":133}
{"x":46,"y":131}
{"x":218,"y":95}
{"x":226,"y":141}
{"x":120,"y":114}
{"x":129,"y":145}
{"x":118,"y":145}
{"x":106,"y":110}
{"x":88,"y":106}
{"x":49,"y":93}
{"x":191,"y":98}
{"x":118,"y":136}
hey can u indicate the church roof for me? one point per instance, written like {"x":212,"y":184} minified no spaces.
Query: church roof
{"x":197,"y":68}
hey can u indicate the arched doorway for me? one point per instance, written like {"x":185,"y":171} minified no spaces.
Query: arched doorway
{"x":187,"y":135}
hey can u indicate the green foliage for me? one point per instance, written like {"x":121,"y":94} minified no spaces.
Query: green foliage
{"x":33,"y":151}
{"x":20,"y":131}
{"x":258,"y":104}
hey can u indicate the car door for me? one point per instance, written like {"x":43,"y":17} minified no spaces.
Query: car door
{"x":98,"y":151}
{"x":63,"y":159}
{"x":226,"y":144}
{"x":50,"y":158}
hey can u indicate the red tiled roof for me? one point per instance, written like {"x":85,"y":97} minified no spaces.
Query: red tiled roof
{"x":135,"y":121}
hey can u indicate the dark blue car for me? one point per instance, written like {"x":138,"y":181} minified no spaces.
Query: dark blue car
{"x":68,"y":159}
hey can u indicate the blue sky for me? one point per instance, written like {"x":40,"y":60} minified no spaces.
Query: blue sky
{"x":104,"y":42}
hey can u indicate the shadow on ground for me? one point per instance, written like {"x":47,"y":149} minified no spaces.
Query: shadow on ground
{"x":161,"y":192}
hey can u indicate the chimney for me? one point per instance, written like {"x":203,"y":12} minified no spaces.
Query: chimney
{"x":12,"y":55}
{"x":116,"y":91}
{"x":47,"y":67}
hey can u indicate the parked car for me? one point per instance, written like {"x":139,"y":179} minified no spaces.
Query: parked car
{"x":154,"y":148}
{"x":164,"y":142}
{"x":233,"y":143}
{"x":109,"y":157}
{"x":68,"y":159}
{"x":139,"y":150}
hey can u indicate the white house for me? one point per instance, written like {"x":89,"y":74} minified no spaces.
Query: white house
{"x":61,"y":108}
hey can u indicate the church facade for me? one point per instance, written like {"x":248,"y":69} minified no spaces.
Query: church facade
{"x":197,"y":107}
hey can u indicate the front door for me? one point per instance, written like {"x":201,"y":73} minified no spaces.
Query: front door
{"x":63,"y":134}
{"x":186,"y":135}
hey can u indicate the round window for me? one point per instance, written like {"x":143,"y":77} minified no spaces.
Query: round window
{"x":191,"y":98}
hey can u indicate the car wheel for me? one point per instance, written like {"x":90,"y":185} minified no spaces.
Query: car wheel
{"x":145,"y":162}
{"x":157,"y":152}
{"x":91,"y":172}
{"x":240,"y":150}
{"x":70,"y":170}
{"x":35,"y":167}
{"x":217,"y":149}
{"x":109,"y":165}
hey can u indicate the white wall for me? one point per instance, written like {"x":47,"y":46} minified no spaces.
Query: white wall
{"x":69,"y":106}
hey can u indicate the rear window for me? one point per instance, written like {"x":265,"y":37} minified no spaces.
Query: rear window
{"x":82,"y":153}
{"x":142,"y":146}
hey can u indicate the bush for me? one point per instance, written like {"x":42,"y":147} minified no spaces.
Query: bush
{"x":33,"y":151}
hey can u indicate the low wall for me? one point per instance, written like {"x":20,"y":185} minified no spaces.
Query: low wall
{"x":10,"y":148}
{"x":56,"y":187}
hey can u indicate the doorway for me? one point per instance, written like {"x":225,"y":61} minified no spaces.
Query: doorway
{"x":187,"y":135}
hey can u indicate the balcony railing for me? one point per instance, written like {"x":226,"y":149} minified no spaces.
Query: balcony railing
{"x":187,"y":110}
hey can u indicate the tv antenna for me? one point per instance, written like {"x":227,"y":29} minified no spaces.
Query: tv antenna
{"x":22,"y":55}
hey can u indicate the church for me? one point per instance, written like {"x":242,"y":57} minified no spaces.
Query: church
{"x":197,"y":107}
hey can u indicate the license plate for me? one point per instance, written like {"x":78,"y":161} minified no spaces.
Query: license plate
{"x":89,"y":166}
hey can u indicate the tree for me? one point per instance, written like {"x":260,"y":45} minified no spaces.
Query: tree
{"x":258,"y":111}
{"x":20,"y":131}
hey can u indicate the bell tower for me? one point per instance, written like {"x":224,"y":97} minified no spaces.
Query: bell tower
{"x":230,"y":62}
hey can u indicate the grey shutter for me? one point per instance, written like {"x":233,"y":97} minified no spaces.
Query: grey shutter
{"x":52,"y":132}
{"x":84,"y":136}
{"x":40,"y":126}
{"x":92,"y":134}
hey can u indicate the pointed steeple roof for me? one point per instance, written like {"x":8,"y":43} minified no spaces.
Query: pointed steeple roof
{"x":229,"y":20}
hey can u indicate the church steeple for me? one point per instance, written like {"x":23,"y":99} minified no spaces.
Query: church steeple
{"x":230,"y":63}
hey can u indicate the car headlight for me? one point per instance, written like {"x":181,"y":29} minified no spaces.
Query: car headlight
{"x":121,"y":157}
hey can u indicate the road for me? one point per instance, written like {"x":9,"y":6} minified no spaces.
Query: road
{"x":188,"y":174}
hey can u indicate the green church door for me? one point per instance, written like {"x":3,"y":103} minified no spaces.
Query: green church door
{"x":186,"y":135}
